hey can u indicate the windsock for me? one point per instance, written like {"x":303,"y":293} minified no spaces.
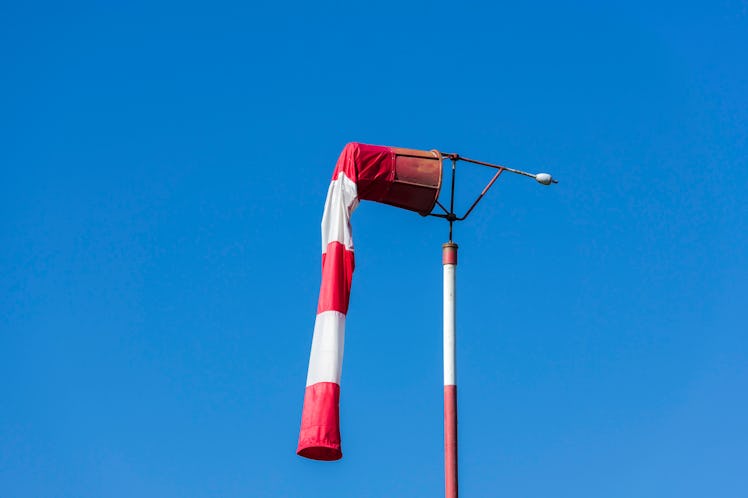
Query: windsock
{"x":406,"y":178}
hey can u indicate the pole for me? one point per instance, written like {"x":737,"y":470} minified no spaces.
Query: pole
{"x":449,"y":261}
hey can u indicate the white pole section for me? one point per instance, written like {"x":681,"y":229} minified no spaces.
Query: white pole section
{"x":449,"y":260}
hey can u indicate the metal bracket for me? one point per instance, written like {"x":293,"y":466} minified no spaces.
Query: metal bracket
{"x":449,"y":214}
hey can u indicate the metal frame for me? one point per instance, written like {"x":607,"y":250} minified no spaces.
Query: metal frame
{"x":450,"y":215}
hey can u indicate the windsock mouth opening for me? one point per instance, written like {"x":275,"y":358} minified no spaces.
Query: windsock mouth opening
{"x":324,"y":453}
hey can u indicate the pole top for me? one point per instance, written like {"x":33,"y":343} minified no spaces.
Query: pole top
{"x":449,"y":253}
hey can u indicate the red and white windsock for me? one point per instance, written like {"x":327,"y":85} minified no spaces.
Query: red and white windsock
{"x":405,"y":178}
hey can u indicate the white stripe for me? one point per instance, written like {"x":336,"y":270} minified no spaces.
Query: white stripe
{"x":342,"y":200}
{"x":326,"y":359}
{"x":449,"y":325}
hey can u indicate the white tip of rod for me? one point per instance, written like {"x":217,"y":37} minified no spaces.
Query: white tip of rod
{"x":544,"y":178}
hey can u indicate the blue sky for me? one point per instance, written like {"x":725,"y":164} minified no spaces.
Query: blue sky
{"x":164,"y":170}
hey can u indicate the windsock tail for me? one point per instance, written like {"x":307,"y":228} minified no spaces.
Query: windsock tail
{"x":320,"y":423}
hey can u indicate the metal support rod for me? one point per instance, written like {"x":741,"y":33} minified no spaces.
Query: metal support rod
{"x":451,"y":215}
{"x":449,"y":262}
{"x":457,"y":157}
{"x":485,"y":189}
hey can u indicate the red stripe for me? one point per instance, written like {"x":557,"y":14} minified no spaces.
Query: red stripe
{"x":320,"y":423}
{"x":450,"y":441}
{"x":337,"y":272}
{"x":370,"y":167}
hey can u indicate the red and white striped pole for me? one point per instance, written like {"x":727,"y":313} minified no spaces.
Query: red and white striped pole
{"x":449,"y":261}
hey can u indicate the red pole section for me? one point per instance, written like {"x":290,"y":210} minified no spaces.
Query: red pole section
{"x":449,"y":261}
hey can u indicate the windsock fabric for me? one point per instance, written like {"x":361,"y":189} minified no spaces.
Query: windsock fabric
{"x":363,"y":172}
